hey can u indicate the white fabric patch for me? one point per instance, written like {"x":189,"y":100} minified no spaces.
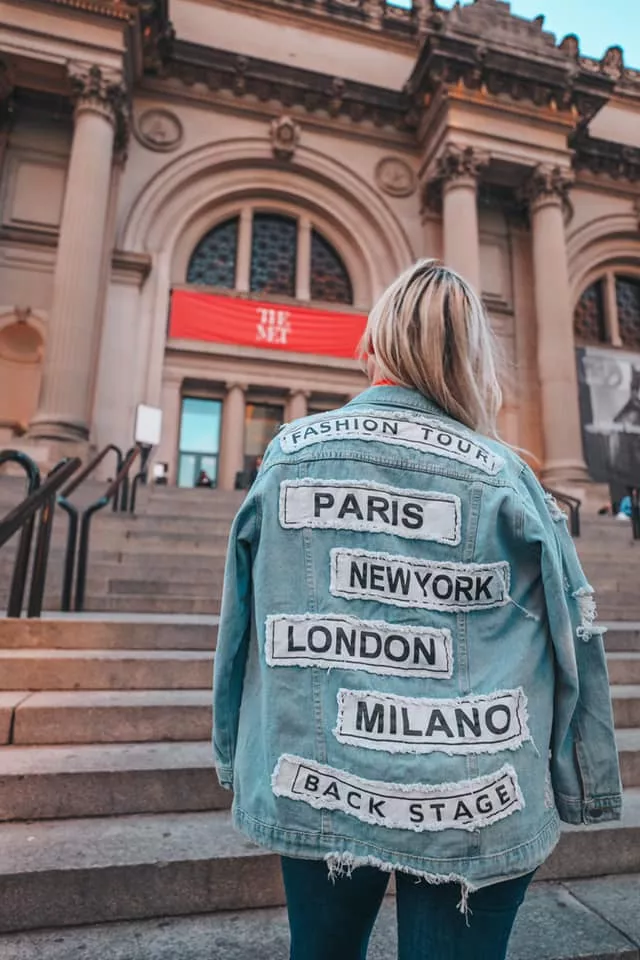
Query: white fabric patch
{"x":316,"y":640}
{"x":408,"y":582}
{"x":475,"y":724}
{"x":419,"y":433}
{"x":466,"y":805}
{"x":373,"y":508}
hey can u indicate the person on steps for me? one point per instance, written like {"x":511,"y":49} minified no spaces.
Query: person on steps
{"x":409,"y":678}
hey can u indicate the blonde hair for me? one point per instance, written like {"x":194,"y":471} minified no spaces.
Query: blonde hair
{"x":429,"y":331}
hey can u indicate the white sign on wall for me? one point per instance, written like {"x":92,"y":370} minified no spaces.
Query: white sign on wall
{"x":148,"y":428}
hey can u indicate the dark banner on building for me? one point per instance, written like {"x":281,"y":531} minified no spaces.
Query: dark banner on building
{"x":253,"y":323}
{"x":609,"y":388}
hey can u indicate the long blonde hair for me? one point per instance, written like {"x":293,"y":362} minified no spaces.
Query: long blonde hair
{"x":429,"y":331}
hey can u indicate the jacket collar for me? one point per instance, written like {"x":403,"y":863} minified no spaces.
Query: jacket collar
{"x":403,"y":397}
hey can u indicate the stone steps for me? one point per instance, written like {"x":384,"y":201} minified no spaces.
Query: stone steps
{"x":626,"y":705}
{"x":576,"y":920}
{"x":68,"y":872}
{"x":67,"y":781}
{"x":78,"y":633}
{"x":122,"y":716}
{"x":624,"y":668}
{"x":62,"y":782}
{"x":39,"y":669}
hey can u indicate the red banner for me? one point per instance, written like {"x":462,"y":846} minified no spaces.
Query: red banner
{"x":253,"y":323}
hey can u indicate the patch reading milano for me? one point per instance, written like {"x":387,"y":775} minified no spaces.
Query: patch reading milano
{"x":466,"y":805}
{"x":375,"y":508}
{"x":419,"y":433}
{"x":475,"y":724}
{"x":314,"y":640}
{"x":408,"y":582}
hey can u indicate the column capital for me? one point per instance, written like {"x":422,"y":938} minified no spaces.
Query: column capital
{"x":236,"y":385}
{"x":457,"y":163}
{"x":102,"y":90}
{"x":548,"y":185}
{"x":294,"y":392}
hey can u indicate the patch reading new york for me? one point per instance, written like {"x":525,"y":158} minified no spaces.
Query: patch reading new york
{"x":408,"y":582}
{"x":466,"y":805}
{"x":375,"y":508}
{"x":419,"y":433}
{"x":475,"y":724}
{"x":314,"y":640}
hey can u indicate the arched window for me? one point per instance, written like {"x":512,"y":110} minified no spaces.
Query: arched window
{"x":609,"y":312}
{"x":273,"y":267}
{"x":589,"y":322}
{"x":273,"y":254}
{"x":213,"y":262}
{"x":329,"y":279}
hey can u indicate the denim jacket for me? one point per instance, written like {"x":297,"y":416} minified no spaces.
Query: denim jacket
{"x":408,"y":674}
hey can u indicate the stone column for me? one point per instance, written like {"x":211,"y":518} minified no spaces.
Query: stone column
{"x":563,"y":460}
{"x":243,"y":257}
{"x":297,"y":404}
{"x":232,"y":436}
{"x":64,"y":407}
{"x":458,"y":170}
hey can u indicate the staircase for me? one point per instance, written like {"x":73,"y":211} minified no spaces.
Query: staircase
{"x":112,"y":814}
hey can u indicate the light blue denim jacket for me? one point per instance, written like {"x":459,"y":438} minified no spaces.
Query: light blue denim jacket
{"x":407,"y":672}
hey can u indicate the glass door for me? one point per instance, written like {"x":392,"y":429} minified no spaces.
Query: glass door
{"x":261,"y":425}
{"x":199,"y":442}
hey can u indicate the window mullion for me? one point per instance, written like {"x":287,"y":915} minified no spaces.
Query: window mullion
{"x":611,"y":309}
{"x":303,"y":260}
{"x":243,"y":263}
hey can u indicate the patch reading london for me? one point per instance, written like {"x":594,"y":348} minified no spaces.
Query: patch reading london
{"x":475,"y":724}
{"x":408,"y":582}
{"x":419,"y":433}
{"x":316,"y":640}
{"x":466,"y":805}
{"x":373,"y":508}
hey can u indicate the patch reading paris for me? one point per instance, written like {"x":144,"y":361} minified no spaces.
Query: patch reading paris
{"x":408,"y":582}
{"x":465,"y":805}
{"x":371,"y":507}
{"x":417,"y":433}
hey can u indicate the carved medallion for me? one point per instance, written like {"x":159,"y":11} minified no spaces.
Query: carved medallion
{"x":285,"y":137}
{"x":159,"y":130}
{"x":395,"y":177}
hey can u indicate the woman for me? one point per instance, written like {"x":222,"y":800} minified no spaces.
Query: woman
{"x":408,"y":678}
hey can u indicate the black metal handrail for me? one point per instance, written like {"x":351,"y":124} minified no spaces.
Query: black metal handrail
{"x":573,"y":504}
{"x":40,"y":499}
{"x":72,"y":518}
{"x":634,"y":493}
{"x":118,"y":491}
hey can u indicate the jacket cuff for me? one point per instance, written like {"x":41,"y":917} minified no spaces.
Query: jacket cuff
{"x":225,"y":776}
{"x":594,"y":810}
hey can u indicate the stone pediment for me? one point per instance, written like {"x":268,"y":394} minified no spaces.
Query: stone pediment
{"x":492,"y":22}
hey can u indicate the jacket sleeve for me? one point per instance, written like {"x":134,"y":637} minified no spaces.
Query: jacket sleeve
{"x":234,"y":632}
{"x":584,"y":758}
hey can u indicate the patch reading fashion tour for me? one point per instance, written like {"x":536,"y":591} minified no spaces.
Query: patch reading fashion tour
{"x":314,"y":640}
{"x":408,"y":582}
{"x":428,"y":436}
{"x":474,"y":724}
{"x":373,"y":508}
{"x":466,"y":805}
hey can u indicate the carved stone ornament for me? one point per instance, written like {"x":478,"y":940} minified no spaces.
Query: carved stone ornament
{"x":285,"y":137}
{"x":548,"y":183}
{"x":456,"y":162}
{"x":395,"y":177}
{"x":102,"y":91}
{"x":159,"y":130}
{"x":612,"y":64}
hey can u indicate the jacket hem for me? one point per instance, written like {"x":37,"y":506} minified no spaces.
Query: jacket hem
{"x":344,"y":854}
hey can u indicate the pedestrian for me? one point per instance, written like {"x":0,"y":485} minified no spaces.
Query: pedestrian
{"x":408,"y":674}
{"x":204,"y":480}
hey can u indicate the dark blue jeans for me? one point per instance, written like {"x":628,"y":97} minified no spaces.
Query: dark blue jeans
{"x":333,"y":920}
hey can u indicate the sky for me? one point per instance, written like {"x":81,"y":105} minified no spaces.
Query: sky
{"x":598,"y":25}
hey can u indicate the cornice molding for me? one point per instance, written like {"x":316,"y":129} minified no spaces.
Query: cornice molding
{"x":606,"y":158}
{"x":251,"y":79}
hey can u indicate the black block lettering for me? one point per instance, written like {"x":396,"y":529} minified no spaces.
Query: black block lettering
{"x":415,"y":813}
{"x":406,"y":725}
{"x":374,"y":652}
{"x":502,"y":794}
{"x":412,"y":516}
{"x":357,"y":574}
{"x":437,"y":723}
{"x":376,"y":576}
{"x":401,"y":655}
{"x":442,"y":586}
{"x":311,"y":783}
{"x":464,"y":588}
{"x":322,"y":501}
{"x":490,"y":721}
{"x":350,"y":505}
{"x":472,"y":723}
{"x":348,"y":642}
{"x":375,"y":806}
{"x":291,"y":647}
{"x":379,"y":506}
{"x":322,"y":645}
{"x":482,"y":587}
{"x":420,"y":649}
{"x":462,"y":810}
{"x":367,"y":720}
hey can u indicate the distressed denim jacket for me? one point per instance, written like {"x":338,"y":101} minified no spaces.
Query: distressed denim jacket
{"x":408,"y":674}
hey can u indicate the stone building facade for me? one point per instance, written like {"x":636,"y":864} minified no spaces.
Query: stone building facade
{"x":287,"y":153}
